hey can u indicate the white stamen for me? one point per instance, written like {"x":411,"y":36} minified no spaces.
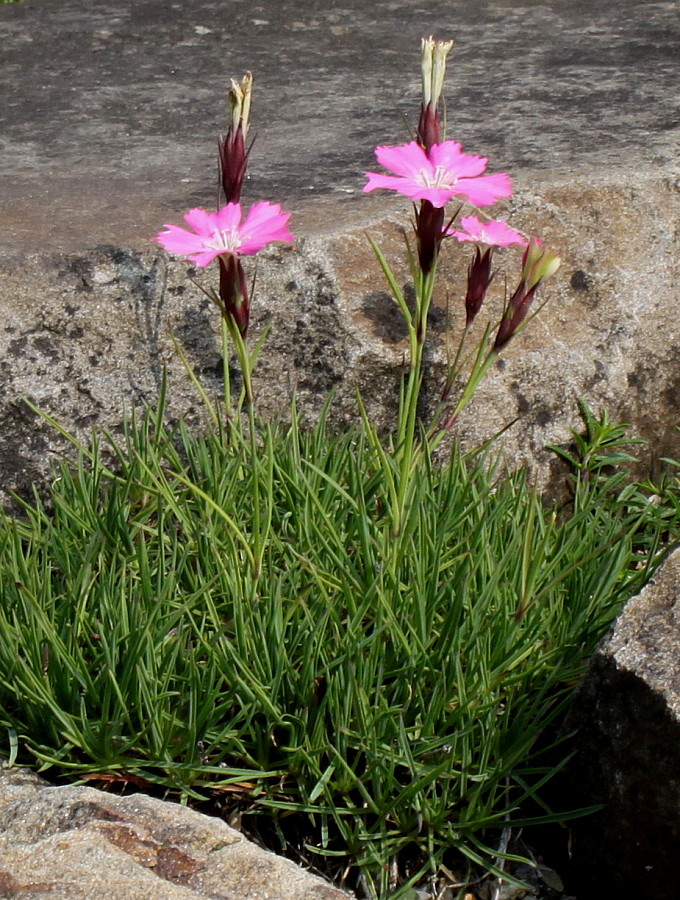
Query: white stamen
{"x":441,"y":178}
{"x":226,"y":240}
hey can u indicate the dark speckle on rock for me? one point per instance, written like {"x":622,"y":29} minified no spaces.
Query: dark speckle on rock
{"x":636,"y":379}
{"x":544,"y":416}
{"x":580,"y":280}
{"x":17,"y":347}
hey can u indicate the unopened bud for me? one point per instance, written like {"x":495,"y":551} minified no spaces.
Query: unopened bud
{"x":233,"y":156}
{"x":433,"y":66}
{"x":479,"y":279}
{"x":538,"y":263}
{"x":239,"y":103}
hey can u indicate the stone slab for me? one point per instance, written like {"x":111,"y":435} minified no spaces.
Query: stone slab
{"x":111,"y":108}
{"x":77,"y":843}
{"x":87,"y":334}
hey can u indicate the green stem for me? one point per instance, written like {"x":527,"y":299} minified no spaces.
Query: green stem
{"x":225,"y":375}
{"x":454,"y":366}
{"x":405,"y":447}
{"x":424,"y":287}
{"x":481,"y":366}
{"x":254,"y":465}
{"x":246,"y":365}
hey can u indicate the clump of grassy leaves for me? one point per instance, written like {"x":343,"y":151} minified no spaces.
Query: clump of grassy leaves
{"x":381,"y":699}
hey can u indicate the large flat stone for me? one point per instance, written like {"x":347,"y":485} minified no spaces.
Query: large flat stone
{"x":87,"y":334}
{"x":77,"y":843}
{"x":109,"y":130}
{"x":112,"y":107}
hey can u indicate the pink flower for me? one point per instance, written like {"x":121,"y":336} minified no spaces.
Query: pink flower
{"x":221,"y":233}
{"x":439,"y":175}
{"x":493,"y":234}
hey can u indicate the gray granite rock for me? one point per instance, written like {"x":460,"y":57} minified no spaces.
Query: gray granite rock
{"x":109,"y":131}
{"x":87,"y":334}
{"x":77,"y":843}
{"x":627,"y":713}
{"x":111,"y":108}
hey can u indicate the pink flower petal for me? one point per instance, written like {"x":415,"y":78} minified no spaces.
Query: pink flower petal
{"x":438,"y":197}
{"x":227,"y":218}
{"x":264,"y":224}
{"x":472,"y":225}
{"x":503,"y":236}
{"x":407,"y":160}
{"x":180,"y":241}
{"x":376,"y":181}
{"x":204,"y":259}
{"x":393,"y":183}
{"x":449,"y":156}
{"x":200,"y":221}
{"x":493,"y":234}
{"x":485,"y":190}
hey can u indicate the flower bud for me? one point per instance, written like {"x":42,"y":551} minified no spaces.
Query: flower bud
{"x":433,"y":67}
{"x":479,"y":279}
{"x":537,"y":265}
{"x":239,"y":103}
{"x":233,"y":155}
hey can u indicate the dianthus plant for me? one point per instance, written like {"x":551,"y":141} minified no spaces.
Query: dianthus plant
{"x":432,"y":172}
{"x":365,"y":539}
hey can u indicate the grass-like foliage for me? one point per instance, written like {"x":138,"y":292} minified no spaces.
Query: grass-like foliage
{"x":384,"y":699}
{"x":366,"y":652}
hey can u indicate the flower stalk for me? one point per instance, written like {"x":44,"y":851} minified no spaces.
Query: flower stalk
{"x":226,"y":236}
{"x":433,"y":171}
{"x":430,"y":218}
{"x":538,"y":264}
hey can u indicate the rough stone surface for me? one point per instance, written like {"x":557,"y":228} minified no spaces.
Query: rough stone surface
{"x":86,"y":335}
{"x":99,"y":154}
{"x":627,"y":711}
{"x":83,"y":844}
{"x":111,"y":107}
